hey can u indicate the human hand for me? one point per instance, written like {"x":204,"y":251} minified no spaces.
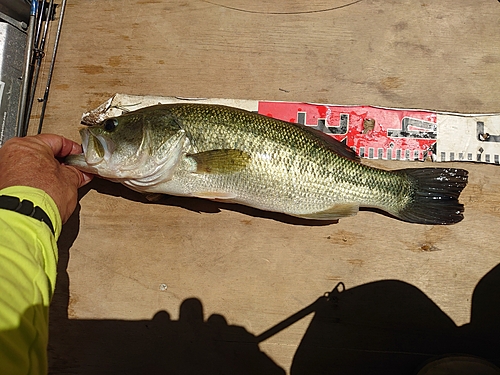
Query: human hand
{"x":32,"y":161}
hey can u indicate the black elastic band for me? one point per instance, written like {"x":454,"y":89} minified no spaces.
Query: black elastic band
{"x":27,"y":208}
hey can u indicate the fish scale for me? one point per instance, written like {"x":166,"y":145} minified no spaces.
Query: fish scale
{"x":304,"y":171}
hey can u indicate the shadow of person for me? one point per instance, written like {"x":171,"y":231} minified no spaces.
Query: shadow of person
{"x":483,"y":331}
{"x":214,"y":347}
{"x":161,"y":345}
{"x":391,"y":327}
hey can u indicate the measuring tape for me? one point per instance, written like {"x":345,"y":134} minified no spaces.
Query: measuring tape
{"x":373,"y":132}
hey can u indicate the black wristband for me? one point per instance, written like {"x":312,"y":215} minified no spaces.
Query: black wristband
{"x":27,"y":208}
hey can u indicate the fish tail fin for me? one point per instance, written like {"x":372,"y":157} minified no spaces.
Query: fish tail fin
{"x":435,"y":195}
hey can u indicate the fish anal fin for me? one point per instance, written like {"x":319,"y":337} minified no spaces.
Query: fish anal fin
{"x":333,"y":213}
{"x":220,"y":161}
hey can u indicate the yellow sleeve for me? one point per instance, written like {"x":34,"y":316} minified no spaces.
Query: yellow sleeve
{"x":28,"y":264}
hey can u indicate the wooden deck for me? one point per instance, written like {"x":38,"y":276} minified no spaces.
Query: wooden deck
{"x":188,"y":286}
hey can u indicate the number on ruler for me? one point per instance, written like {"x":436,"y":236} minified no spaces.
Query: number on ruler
{"x":485,"y":137}
{"x":321,"y":125}
{"x":428,"y":129}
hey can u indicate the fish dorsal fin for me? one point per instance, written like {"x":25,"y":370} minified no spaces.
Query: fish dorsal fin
{"x":220,"y":161}
{"x":335,"y":212}
{"x":339,"y":148}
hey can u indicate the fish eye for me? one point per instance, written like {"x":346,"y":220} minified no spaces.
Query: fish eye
{"x":110,"y":124}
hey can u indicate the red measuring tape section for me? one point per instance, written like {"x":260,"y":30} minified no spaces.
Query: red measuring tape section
{"x":374,"y":133}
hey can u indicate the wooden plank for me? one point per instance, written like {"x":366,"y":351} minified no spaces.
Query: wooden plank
{"x":124,"y":260}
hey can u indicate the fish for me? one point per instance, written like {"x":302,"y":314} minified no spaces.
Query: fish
{"x":232,"y":155}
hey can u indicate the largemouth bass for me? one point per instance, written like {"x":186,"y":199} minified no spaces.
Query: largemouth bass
{"x":228,"y":154}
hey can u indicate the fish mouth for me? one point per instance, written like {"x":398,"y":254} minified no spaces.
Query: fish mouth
{"x":96,"y":148}
{"x":78,"y":161}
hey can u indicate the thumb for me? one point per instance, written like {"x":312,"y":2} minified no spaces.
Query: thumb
{"x":77,"y":178}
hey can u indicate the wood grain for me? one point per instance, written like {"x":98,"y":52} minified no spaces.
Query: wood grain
{"x":253,"y":268}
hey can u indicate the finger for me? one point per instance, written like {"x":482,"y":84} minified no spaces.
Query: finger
{"x":87,"y":177}
{"x":77,"y":177}
{"x":60,"y":146}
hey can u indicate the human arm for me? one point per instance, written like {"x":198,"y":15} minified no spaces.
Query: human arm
{"x":30,"y":171}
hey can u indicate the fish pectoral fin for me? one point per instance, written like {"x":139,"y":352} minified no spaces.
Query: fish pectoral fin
{"x":220,"y":161}
{"x":214,"y":195}
{"x":335,"y":212}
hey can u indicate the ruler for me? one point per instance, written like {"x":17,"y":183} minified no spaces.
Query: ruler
{"x":373,"y":132}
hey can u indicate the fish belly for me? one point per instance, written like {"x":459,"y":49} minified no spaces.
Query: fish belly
{"x":302,"y":188}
